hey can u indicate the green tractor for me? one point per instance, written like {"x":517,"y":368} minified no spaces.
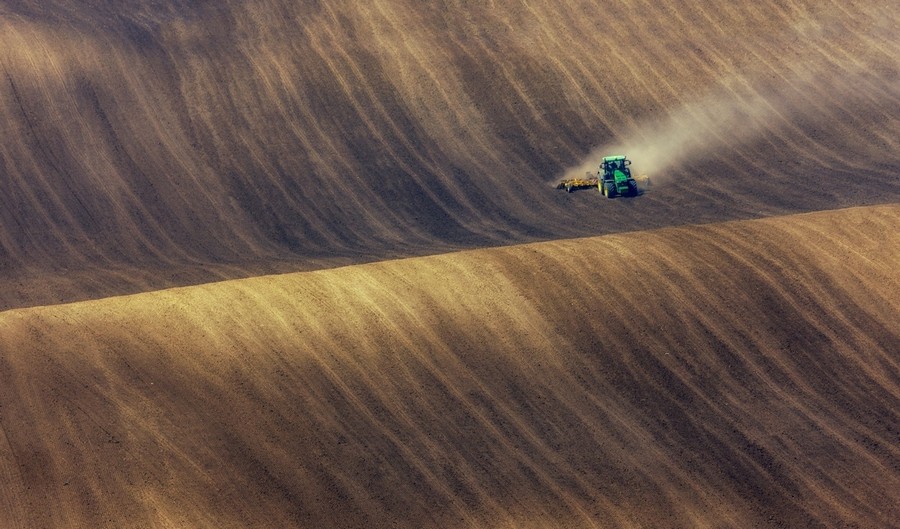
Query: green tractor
{"x":614,"y":178}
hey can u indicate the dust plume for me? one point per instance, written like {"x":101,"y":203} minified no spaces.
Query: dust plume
{"x":755,"y":104}
{"x":737,"y":112}
{"x":698,"y":129}
{"x":694,"y":130}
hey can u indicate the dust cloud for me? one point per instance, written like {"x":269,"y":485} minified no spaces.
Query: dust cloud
{"x":756,"y":104}
{"x":695,"y":130}
{"x":737,"y":112}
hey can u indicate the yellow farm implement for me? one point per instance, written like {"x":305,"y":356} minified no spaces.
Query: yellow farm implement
{"x":571,"y":184}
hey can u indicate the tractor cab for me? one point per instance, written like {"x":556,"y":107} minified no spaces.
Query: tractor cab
{"x":615,"y":177}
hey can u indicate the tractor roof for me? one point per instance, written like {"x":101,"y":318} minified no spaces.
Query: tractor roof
{"x":613,"y":158}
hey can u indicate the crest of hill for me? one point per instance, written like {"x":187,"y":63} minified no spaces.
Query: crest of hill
{"x":155,"y":144}
{"x":733,"y":375}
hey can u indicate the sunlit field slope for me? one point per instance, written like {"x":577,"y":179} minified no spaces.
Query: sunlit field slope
{"x":736,"y":375}
{"x":148,"y":144}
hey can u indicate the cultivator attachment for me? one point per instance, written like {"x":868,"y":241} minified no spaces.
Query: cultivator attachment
{"x":572,"y":184}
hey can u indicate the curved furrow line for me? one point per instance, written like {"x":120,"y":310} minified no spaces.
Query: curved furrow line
{"x":827,"y":330}
{"x":44,"y":197}
{"x":395,"y":153}
{"x":505,"y":412}
{"x":406,"y":149}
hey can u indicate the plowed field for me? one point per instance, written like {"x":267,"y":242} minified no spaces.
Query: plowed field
{"x":302,"y":264}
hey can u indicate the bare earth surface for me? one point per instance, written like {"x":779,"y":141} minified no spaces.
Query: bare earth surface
{"x":166,"y":143}
{"x":737,"y":375}
{"x":275,"y":264}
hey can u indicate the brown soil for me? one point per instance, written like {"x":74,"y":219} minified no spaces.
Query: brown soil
{"x":676,"y":365}
{"x":156,"y":144}
{"x":736,"y":375}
